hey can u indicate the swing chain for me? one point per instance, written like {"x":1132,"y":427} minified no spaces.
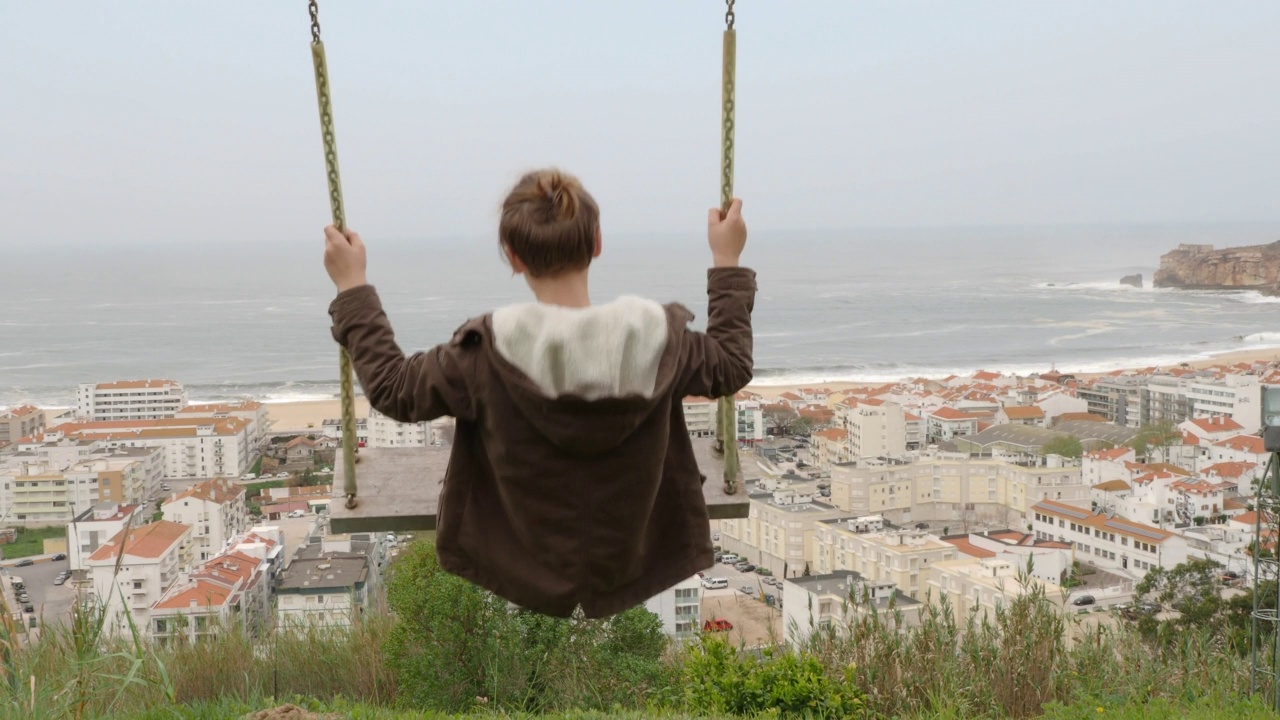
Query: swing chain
{"x":728,"y":14}
{"x":315,"y":20}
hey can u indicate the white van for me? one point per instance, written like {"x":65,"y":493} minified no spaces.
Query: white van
{"x":715,"y":583}
{"x":729,"y":558}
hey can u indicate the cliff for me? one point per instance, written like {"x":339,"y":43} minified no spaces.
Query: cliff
{"x":1201,"y":267}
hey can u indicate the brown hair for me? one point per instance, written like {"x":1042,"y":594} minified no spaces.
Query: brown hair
{"x":550,"y":223}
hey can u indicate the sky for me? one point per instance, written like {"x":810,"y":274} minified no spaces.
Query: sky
{"x":196,"y":122}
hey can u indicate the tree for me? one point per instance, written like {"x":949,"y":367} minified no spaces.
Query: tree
{"x":1191,"y":589}
{"x":1066,"y":446}
{"x":786,"y":421}
{"x":1157,"y":437}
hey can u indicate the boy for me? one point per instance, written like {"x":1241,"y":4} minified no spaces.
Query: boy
{"x":572,"y":479}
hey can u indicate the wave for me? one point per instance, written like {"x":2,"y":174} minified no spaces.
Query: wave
{"x":1248,"y":297}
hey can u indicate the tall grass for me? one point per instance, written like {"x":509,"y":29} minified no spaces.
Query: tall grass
{"x":1024,"y":659}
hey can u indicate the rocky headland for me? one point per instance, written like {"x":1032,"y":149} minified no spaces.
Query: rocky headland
{"x":1202,"y":267}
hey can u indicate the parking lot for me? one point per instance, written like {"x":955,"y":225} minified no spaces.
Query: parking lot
{"x":52,"y":603}
{"x":738,"y":580}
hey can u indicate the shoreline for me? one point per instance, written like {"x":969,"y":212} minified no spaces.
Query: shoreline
{"x":295,"y":415}
{"x":308,"y":415}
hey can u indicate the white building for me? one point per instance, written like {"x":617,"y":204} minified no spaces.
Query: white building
{"x":216,"y":512}
{"x":1213,"y":429}
{"x":252,"y":412}
{"x":130,"y":400}
{"x":50,"y":483}
{"x":232,"y":587}
{"x":984,"y":585}
{"x":831,"y":602}
{"x":778,"y":532}
{"x":95,"y":526}
{"x":20,"y":422}
{"x":1046,"y":560}
{"x":875,"y":428}
{"x":328,"y":590}
{"x":194,"y":447}
{"x":1238,"y":397}
{"x":1111,"y":543}
{"x":679,"y":607}
{"x":700,"y":418}
{"x":129,"y":581}
{"x":1102,"y":466}
{"x":947,"y":423}
{"x":898,"y":557}
{"x":951,"y":486}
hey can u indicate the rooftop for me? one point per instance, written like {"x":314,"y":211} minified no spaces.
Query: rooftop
{"x":330,"y":572}
{"x":150,"y":541}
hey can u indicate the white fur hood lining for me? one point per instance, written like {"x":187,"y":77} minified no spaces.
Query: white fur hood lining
{"x":603,"y":351}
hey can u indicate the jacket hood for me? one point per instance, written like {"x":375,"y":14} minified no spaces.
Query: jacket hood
{"x":586,"y":377}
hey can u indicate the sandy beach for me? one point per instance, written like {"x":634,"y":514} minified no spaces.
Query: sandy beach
{"x":304,"y":416}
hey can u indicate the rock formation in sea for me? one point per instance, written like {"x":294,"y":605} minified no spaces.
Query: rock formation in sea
{"x":1132,"y":280}
{"x":1201,"y":267}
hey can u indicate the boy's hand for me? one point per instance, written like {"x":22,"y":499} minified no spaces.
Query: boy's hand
{"x":726,"y":234}
{"x":344,"y":258}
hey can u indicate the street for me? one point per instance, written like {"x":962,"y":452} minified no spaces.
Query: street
{"x":52,"y":603}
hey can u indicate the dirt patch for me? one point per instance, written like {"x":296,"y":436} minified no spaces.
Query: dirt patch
{"x":754,"y":623}
{"x":291,"y":712}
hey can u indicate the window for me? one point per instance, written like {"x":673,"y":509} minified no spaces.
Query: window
{"x":137,"y":584}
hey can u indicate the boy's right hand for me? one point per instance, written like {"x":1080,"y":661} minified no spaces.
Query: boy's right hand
{"x":726,"y":234}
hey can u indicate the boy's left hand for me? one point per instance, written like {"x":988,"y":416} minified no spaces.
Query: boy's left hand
{"x":344,"y":258}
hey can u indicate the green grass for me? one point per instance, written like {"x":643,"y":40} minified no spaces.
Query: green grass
{"x":31,"y":542}
{"x":256,"y":488}
{"x":1027,"y":662}
{"x":257,"y":466}
{"x":1230,"y":708}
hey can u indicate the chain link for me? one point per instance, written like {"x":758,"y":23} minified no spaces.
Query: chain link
{"x":726,"y":407}
{"x":315,"y":20}
{"x":350,"y":446}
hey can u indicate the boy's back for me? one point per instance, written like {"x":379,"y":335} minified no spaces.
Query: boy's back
{"x":572,"y":479}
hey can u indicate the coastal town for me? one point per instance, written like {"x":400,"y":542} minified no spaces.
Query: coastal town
{"x":177,"y":518}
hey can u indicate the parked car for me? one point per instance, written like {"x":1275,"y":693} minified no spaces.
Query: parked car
{"x":249,"y":476}
{"x":59,"y":556}
{"x":1084,"y":600}
{"x":717,"y":625}
{"x":764,"y":571}
{"x":28,"y":609}
{"x":747,"y":568}
{"x":60,"y":580}
{"x":296,"y":514}
{"x":24,"y":598}
{"x":282,"y":474}
{"x":25,"y":562}
{"x":747,"y":590}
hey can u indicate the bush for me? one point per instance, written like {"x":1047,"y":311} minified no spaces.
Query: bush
{"x":719,"y":680}
{"x":456,"y":646}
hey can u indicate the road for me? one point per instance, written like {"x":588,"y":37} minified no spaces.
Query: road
{"x":52,"y":603}
{"x":737,"y":580}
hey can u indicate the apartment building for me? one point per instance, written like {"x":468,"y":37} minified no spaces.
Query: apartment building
{"x":1101,"y":466}
{"x":831,"y":602}
{"x":329,"y":590}
{"x":130,"y":572}
{"x":130,"y":400}
{"x":874,"y":428}
{"x":947,"y":423}
{"x":216,"y":512}
{"x":939,"y":486}
{"x":700,"y":417}
{"x":1118,"y":399}
{"x":1212,"y":429}
{"x":383,"y":432}
{"x":1031,"y":415}
{"x":1047,"y":560}
{"x":51,"y":483}
{"x":90,"y":529}
{"x":232,"y":587}
{"x":778,"y":532}
{"x":20,"y":422}
{"x":899,"y":557}
{"x":830,"y":447}
{"x":1111,"y":543}
{"x":983,"y":585}
{"x":251,"y":411}
{"x":679,"y":607}
{"x":193,"y":447}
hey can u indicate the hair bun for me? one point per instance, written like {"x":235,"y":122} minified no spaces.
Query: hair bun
{"x":560,"y":193}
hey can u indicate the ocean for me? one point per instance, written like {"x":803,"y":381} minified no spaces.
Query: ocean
{"x":241,"y":320}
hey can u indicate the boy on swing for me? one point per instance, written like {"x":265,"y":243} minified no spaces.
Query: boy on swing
{"x":572,"y":479}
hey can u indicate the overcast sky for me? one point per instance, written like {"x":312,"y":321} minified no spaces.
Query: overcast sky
{"x":195,"y":121}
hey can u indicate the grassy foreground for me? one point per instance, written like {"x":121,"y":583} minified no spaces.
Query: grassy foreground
{"x":446,"y":649}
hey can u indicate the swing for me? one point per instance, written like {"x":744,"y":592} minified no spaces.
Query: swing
{"x":400,"y":487}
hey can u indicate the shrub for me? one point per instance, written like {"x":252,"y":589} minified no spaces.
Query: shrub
{"x":720,"y":680}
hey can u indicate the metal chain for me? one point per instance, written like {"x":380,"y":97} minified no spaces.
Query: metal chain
{"x":315,"y":20}
{"x":350,"y":447}
{"x":726,"y":408}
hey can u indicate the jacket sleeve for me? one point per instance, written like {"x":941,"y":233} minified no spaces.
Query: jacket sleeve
{"x":418,"y":388}
{"x":719,"y":362}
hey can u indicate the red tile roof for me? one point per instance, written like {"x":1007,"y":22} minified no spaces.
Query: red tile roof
{"x":150,"y":541}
